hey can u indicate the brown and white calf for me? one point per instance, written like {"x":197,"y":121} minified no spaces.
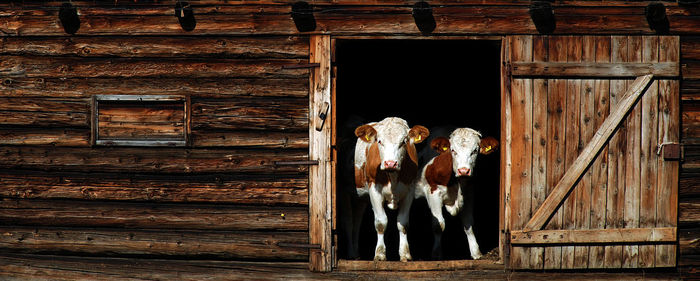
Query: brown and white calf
{"x":445,"y":181}
{"x":385,"y":169}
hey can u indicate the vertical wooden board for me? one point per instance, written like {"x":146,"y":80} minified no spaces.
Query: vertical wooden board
{"x":334,"y":157}
{"x":521,"y":147}
{"x":571,"y":141}
{"x":556,"y":104}
{"x":596,"y":254}
{"x":616,"y":158}
{"x":319,"y":149}
{"x":587,"y":129}
{"x":667,"y":188}
{"x":648,"y":156}
{"x":539,"y":146}
{"x":630,"y":258}
{"x":504,"y":206}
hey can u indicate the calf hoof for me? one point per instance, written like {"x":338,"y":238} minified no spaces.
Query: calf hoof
{"x":406,"y":258}
{"x":477,"y":256}
{"x":380,"y":254}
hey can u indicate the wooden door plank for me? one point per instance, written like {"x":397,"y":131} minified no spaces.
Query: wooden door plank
{"x":630,"y":258}
{"x":587,"y":129}
{"x":616,"y":150}
{"x":504,"y":193}
{"x":556,"y":105}
{"x":521,"y":145}
{"x":573,"y":124}
{"x":539,"y":147}
{"x":648,"y":157}
{"x":667,"y":188}
{"x":319,"y":149}
{"x":590,"y":236}
{"x":596,"y":254}
{"x":592,"y":69}
{"x":606,"y":130}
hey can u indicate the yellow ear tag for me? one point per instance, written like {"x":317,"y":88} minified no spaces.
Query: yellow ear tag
{"x":444,"y":148}
{"x":367,"y":137}
{"x":488,"y":148}
{"x":418,"y":138}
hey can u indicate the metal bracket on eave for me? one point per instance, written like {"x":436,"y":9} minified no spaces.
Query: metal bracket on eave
{"x":300,"y":66}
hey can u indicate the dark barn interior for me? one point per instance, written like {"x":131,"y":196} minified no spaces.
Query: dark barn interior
{"x":430,"y":83}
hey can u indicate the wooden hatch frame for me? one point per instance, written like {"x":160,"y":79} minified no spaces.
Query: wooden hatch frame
{"x":322,"y":183}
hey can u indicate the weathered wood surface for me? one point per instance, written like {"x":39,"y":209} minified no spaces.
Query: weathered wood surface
{"x":286,"y":114}
{"x":172,"y":47}
{"x":593,"y":69}
{"x":57,"y":137}
{"x":116,"y":242}
{"x":141,"y":120}
{"x":592,"y":236}
{"x":150,"y":160}
{"x":31,"y":267}
{"x":72,"y":213}
{"x":319,"y":149}
{"x":196,"y":87}
{"x":73,"y":67}
{"x":355,"y":265}
{"x":253,"y":139}
{"x":374,"y":19}
{"x":220,"y":188}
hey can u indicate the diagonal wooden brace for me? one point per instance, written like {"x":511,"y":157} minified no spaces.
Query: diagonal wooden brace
{"x":589,"y":153}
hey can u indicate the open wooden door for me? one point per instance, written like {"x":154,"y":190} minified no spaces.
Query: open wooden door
{"x":587,"y":181}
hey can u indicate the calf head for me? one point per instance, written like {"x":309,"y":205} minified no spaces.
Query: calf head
{"x":390,"y":138}
{"x":464,"y":145}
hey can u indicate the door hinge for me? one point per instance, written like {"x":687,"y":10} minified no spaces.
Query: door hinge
{"x":671,"y":151}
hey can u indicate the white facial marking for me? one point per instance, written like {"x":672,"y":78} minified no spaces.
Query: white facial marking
{"x":464,"y":143}
{"x":392,"y":134}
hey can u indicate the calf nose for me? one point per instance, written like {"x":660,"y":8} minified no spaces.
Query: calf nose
{"x":464,"y":172}
{"x":391,"y":164}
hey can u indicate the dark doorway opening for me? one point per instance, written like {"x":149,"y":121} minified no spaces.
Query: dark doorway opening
{"x":430,"y":83}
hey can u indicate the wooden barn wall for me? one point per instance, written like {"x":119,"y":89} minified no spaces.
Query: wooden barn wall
{"x":220,"y":197}
{"x":59,"y":194}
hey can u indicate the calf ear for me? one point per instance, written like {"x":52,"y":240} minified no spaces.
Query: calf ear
{"x":488,"y":145}
{"x":366,"y":133}
{"x":418,"y":133}
{"x":440,"y":144}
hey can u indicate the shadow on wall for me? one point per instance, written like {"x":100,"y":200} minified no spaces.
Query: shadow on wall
{"x":429,"y":83}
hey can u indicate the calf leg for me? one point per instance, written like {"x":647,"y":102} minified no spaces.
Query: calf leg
{"x":467,"y":217}
{"x":402,"y":225}
{"x":380,"y":222}
{"x":435,"y":204}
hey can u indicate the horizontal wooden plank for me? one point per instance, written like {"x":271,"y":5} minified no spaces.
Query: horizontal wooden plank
{"x":593,"y":69}
{"x":287,"y":114}
{"x":689,"y":211}
{"x":56,"y":137}
{"x":689,"y":241}
{"x":73,"y":213}
{"x":175,"y":47}
{"x":357,"y":265}
{"x":44,"y":119}
{"x":162,"y":160}
{"x":594,"y":236}
{"x":691,"y":70}
{"x":278,"y":140}
{"x":215,"y":188}
{"x":45,"y":104}
{"x":196,"y":87}
{"x":70,"y":67}
{"x":116,"y":242}
{"x":358,"y":20}
{"x":690,"y":48}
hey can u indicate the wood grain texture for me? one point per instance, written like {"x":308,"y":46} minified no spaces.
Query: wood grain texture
{"x":320,"y":209}
{"x":586,"y":236}
{"x":171,"y":47}
{"x":214,"y":188}
{"x":72,"y":67}
{"x":592,"y":69}
{"x":596,"y":254}
{"x":521,"y":146}
{"x":111,"y":242}
{"x":128,"y":215}
{"x":279,"y":114}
